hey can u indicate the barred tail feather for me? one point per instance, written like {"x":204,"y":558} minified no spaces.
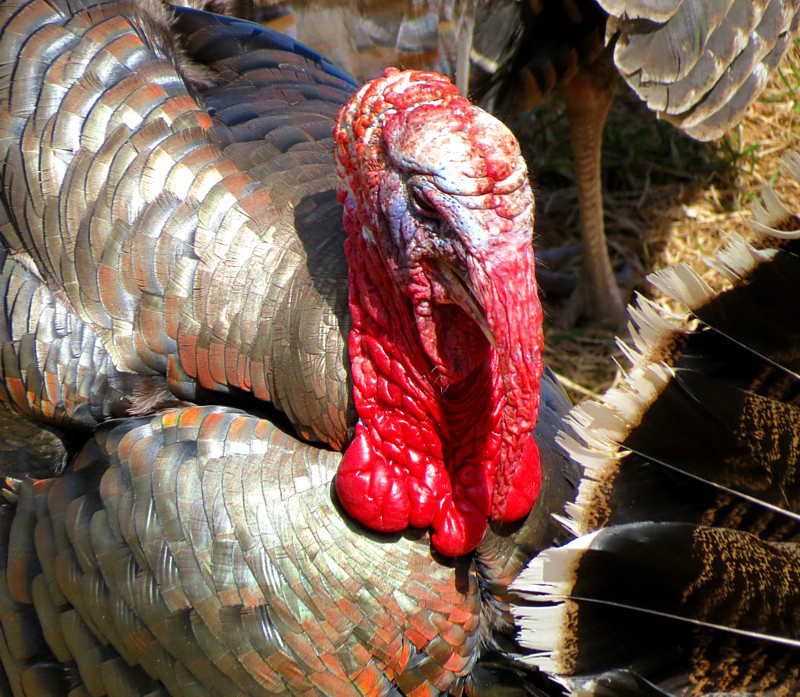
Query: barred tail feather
{"x":685,"y":575}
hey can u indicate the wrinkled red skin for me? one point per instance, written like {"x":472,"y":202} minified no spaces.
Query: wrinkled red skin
{"x":445,"y":420}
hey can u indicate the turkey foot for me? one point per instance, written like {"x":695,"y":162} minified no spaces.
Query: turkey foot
{"x":583,"y":303}
{"x":551,"y":281}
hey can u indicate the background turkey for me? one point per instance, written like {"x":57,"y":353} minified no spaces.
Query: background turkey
{"x":685,"y":578}
{"x":171,"y":234}
{"x":698,"y":64}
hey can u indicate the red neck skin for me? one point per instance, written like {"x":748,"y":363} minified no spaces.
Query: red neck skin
{"x":449,"y":451}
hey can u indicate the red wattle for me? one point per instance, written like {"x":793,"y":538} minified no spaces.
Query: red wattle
{"x":370,"y":490}
{"x":458,"y":529}
{"x":525,"y":484}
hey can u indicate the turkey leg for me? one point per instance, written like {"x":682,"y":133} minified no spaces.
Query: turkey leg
{"x":588,"y":98}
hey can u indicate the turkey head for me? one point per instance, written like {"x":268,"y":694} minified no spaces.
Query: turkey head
{"x":446,"y":336}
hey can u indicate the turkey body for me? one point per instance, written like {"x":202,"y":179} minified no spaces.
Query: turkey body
{"x":172,"y":236}
{"x":683,"y":580}
{"x":202,"y":551}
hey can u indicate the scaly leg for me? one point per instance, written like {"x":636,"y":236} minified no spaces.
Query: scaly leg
{"x":588,"y":98}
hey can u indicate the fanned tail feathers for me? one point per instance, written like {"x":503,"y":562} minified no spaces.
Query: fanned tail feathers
{"x":684,"y":578}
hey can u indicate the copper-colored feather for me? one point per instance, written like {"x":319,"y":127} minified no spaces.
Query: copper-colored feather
{"x":181,"y":239}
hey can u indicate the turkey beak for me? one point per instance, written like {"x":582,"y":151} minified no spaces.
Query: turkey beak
{"x":459,"y":288}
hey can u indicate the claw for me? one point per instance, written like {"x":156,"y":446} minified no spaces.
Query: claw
{"x":10,"y":490}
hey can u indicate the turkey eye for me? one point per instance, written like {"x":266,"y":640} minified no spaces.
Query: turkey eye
{"x":422,"y":205}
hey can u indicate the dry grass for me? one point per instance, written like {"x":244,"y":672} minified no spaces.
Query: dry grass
{"x":668,"y":199}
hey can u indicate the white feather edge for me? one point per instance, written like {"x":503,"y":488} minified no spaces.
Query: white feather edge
{"x":549,"y":577}
{"x":600,"y":426}
{"x":682,"y":283}
{"x":734,"y":261}
{"x":737,"y":258}
{"x":768,"y":211}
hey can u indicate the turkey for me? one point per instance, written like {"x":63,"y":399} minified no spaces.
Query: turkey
{"x":698,"y":64}
{"x":262,"y":437}
{"x":683,"y":577}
